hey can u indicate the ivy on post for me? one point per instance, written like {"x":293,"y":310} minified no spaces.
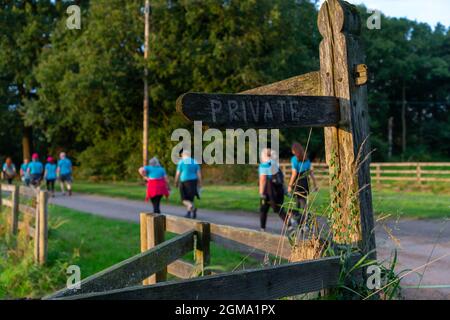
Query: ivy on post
{"x":343,"y":74}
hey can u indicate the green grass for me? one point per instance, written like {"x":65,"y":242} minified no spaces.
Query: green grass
{"x":397,"y":203}
{"x":93,"y":243}
{"x":99,"y":242}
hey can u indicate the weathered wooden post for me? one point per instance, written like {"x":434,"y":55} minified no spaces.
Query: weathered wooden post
{"x":42,"y":227}
{"x":143,"y":234}
{"x":419,"y":174}
{"x":15,"y":210}
{"x":343,"y":74}
{"x":378,"y":175}
{"x":202,"y":250}
{"x":153,"y":228}
{"x":35,"y":203}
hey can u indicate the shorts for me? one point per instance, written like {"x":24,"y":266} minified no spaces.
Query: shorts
{"x":66,"y":178}
{"x":302,"y":186}
{"x":36,"y":178}
{"x":188,"y":190}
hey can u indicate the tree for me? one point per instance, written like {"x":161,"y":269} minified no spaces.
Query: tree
{"x":26,"y":28}
{"x":90,"y":80}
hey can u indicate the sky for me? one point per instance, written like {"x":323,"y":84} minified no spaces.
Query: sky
{"x":429,"y":11}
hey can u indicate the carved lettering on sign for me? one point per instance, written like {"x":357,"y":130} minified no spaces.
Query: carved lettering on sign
{"x":259,"y":111}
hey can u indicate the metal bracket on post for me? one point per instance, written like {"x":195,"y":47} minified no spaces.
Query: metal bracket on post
{"x":361,"y":74}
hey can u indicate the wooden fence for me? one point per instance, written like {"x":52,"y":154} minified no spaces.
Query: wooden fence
{"x":417,"y":172}
{"x":144,"y":275}
{"x":29,"y":216}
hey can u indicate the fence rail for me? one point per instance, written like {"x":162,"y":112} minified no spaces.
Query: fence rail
{"x":160,"y":256}
{"x":267,"y":283}
{"x":390,"y":171}
{"x":36,"y":212}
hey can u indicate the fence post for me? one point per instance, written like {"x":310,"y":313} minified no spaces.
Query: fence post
{"x":42,"y":226}
{"x":419,"y":174}
{"x":144,"y":246}
{"x":37,"y":220}
{"x":378,"y":173}
{"x":202,"y":250}
{"x":155,"y":230}
{"x":15,"y":210}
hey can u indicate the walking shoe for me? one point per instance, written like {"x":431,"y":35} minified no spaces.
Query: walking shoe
{"x":188,"y":215}
{"x":194,"y":214}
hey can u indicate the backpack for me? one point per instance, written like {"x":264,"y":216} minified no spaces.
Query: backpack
{"x":278,"y":178}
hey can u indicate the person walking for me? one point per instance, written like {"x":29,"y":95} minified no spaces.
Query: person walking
{"x":9,"y":170}
{"x":189,"y":179}
{"x":298,"y":184}
{"x":271,"y":190}
{"x":157,"y":183}
{"x":64,"y":172}
{"x":24,"y":175}
{"x":35,"y":170}
{"x":50,"y":175}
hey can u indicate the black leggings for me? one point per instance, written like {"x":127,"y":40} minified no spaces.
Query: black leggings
{"x":51,"y":185}
{"x":156,"y":203}
{"x":264,"y":210}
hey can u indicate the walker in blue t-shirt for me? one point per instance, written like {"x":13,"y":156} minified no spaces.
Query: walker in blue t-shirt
{"x":188,"y":169}
{"x":155,"y":172}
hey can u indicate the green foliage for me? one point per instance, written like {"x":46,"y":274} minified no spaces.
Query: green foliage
{"x":352,"y":283}
{"x":25,"y":30}
{"x":405,"y":53}
{"x":102,"y":158}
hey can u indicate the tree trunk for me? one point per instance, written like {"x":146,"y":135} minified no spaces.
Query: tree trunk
{"x":27,"y":142}
{"x":403,"y":119}
{"x":146,"y":100}
{"x":390,"y":129}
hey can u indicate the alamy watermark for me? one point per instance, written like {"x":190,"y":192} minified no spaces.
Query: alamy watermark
{"x":236,"y":142}
{"x":374,"y":21}
{"x":74,"y":19}
{"x":373,"y":281}
{"x":74,"y":278}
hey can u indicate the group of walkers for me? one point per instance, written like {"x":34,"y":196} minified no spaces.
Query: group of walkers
{"x":272,"y":189}
{"x":33,"y":172}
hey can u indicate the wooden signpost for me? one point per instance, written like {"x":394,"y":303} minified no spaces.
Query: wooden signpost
{"x":259,"y":111}
{"x":335,"y":98}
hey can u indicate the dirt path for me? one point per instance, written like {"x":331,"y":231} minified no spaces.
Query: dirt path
{"x":417,"y":241}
